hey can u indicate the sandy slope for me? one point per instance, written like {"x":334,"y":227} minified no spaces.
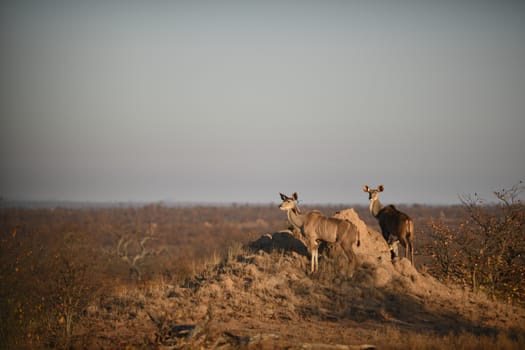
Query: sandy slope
{"x":262,"y":298}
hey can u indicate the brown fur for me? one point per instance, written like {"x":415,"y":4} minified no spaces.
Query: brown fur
{"x":316,"y":227}
{"x":392,"y":222}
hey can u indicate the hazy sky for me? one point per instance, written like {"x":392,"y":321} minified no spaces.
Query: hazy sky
{"x":223,"y":101}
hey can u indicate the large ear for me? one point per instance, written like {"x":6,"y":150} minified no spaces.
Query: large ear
{"x":295,"y":196}
{"x":380,"y":188}
{"x":365,"y":188}
{"x":283,"y":196}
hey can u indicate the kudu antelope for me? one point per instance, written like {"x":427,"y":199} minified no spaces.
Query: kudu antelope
{"x":395,"y":225}
{"x":315,"y":227}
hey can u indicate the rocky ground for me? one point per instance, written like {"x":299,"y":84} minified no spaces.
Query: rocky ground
{"x":262,"y":297}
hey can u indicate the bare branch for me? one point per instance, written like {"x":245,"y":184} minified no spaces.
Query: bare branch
{"x":134,"y":260}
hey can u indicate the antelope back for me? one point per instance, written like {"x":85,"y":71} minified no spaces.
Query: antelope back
{"x":325,"y":228}
{"x":394,"y":221}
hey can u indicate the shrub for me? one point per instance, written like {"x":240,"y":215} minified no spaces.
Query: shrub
{"x":487,"y":250}
{"x":46,"y":287}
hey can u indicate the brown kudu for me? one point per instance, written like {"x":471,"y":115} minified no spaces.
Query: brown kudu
{"x":395,"y":225}
{"x":315,"y":227}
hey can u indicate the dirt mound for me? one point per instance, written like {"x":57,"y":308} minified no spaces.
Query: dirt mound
{"x":282,"y":240}
{"x":373,"y":248}
{"x":378,"y":270}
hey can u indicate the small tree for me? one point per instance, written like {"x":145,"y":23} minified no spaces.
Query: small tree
{"x":487,"y":250}
{"x":444,"y":250}
{"x":135,"y":257}
{"x":68,"y":288}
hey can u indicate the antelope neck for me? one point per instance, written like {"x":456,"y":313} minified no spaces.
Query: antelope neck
{"x":375,"y":207}
{"x":295,"y":217}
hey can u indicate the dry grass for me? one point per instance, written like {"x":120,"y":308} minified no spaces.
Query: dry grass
{"x":246,"y":292}
{"x":259,"y":295}
{"x":268,"y":297}
{"x":234,"y":297}
{"x":398,"y":339}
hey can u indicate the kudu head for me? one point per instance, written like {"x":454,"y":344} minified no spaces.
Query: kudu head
{"x":373,"y":194}
{"x":289,"y":203}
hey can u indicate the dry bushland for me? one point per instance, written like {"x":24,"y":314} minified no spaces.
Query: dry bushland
{"x":486,"y":249}
{"x":208,"y":277}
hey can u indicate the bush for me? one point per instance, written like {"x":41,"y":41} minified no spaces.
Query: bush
{"x":47,"y":283}
{"x":487,"y":249}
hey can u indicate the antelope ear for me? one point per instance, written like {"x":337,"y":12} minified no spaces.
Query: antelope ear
{"x":295,"y":196}
{"x":283,"y":196}
{"x":365,"y":188}
{"x":380,"y":188}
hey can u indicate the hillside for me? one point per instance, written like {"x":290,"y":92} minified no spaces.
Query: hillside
{"x":261,"y":297}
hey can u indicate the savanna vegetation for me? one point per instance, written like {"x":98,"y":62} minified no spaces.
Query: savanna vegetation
{"x":68,"y":275}
{"x":485,"y":247}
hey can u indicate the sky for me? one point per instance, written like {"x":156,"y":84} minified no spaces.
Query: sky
{"x":236,"y":101}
